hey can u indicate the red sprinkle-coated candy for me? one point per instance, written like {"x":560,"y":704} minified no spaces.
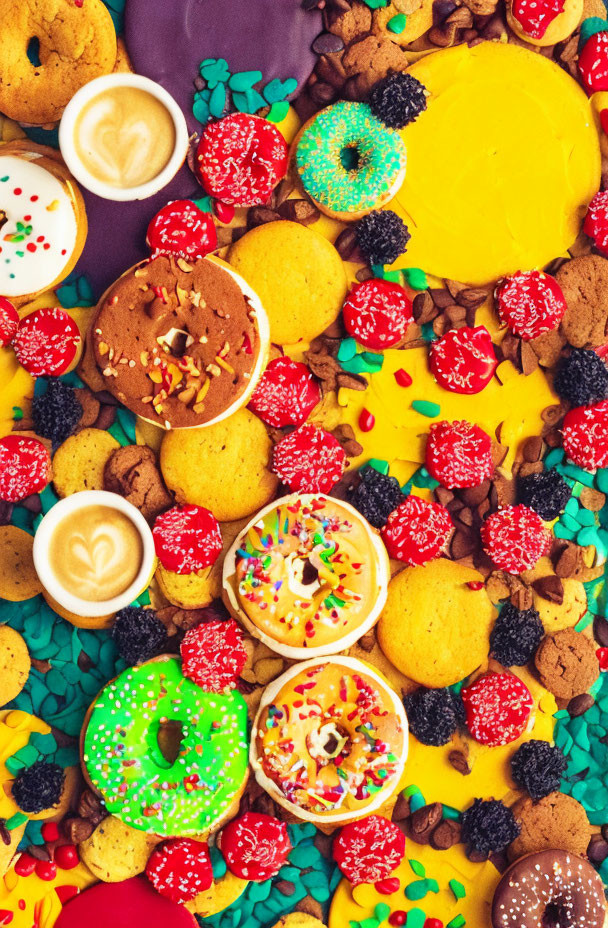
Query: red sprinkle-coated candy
{"x":241,"y":158}
{"x":46,"y":870}
{"x":369,"y":850}
{"x":602,"y":656}
{"x":497,"y":707}
{"x":366,"y":420}
{"x":180,"y":869}
{"x":417,"y":531}
{"x":46,"y":342}
{"x":66,"y":856}
{"x":50,"y":831}
{"x":535,"y":16}
{"x":187,"y":539}
{"x":9,"y":322}
{"x":403,"y":378}
{"x":26,"y":865}
{"x":25,"y":467}
{"x":389,"y":886}
{"x":459,"y":454}
{"x":377,"y":313}
{"x":255,"y":846}
{"x":593,"y":63}
{"x":180,"y":228}
{"x":213,"y":655}
{"x":596,"y":221}
{"x":309,"y":460}
{"x":464,"y":360}
{"x":515,"y":538}
{"x":286,"y":394}
{"x":531,"y":303}
{"x":433,"y":923}
{"x":397,"y":918}
{"x":585,"y":435}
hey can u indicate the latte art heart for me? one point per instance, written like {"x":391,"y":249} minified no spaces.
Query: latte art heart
{"x":96,"y":553}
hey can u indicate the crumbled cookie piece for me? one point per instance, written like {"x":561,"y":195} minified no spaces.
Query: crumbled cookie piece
{"x":132,"y":472}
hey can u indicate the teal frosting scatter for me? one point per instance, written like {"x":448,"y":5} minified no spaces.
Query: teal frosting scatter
{"x":243,"y":91}
{"x":76,"y":291}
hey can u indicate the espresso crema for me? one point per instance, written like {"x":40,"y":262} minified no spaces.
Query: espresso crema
{"x":124,"y":136}
{"x":95,"y":553}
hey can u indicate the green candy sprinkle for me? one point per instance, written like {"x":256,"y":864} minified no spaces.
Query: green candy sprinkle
{"x":397,"y":23}
{"x":411,"y":790}
{"x":15,"y":820}
{"x":458,"y":889}
{"x":452,"y":813}
{"x":217,"y":101}
{"x":417,"y":890}
{"x":416,"y":918}
{"x":17,"y":413}
{"x":393,"y":276}
{"x":244,"y":80}
{"x":275,"y":91}
{"x":378,"y":464}
{"x":457,"y":922}
{"x":426,"y":408}
{"x":417,"y":868}
{"x":417,"y":801}
{"x":278,"y":111}
{"x":415,"y":278}
{"x":382,"y":911}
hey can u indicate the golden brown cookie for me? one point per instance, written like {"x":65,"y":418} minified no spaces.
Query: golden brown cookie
{"x":14,"y":664}
{"x":79,"y":462}
{"x":298,"y":920}
{"x":77,"y":42}
{"x":18,"y":577}
{"x":584,"y":282}
{"x":223,"y":467}
{"x":190,"y":591}
{"x":556,"y":821}
{"x":419,"y":18}
{"x":298,"y":275}
{"x":555,"y":615}
{"x":567,"y":663}
{"x":116,"y":852}
{"x":132,"y":471}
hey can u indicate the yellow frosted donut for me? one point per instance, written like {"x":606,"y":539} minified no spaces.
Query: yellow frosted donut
{"x":500,"y":166}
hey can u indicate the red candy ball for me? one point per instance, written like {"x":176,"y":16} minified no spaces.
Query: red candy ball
{"x":585,"y":435}
{"x":593,"y":63}
{"x":596,"y":221}
{"x":187,"y":539}
{"x":255,"y":846}
{"x":464,"y":361}
{"x":46,"y":870}
{"x":50,"y":831}
{"x":417,"y":531}
{"x":241,"y":158}
{"x":46,"y":342}
{"x":25,"y":467}
{"x":397,"y":918}
{"x":497,"y":707}
{"x":531,"y":303}
{"x":9,"y":322}
{"x":286,"y":394}
{"x":26,"y":864}
{"x":515,"y":538}
{"x":459,"y":454}
{"x":534,"y":16}
{"x":213,"y":655}
{"x":309,"y":460}
{"x":180,"y":869}
{"x":66,"y":857}
{"x":180,"y":228}
{"x":369,"y":850}
{"x":377,"y":313}
{"x":389,"y":886}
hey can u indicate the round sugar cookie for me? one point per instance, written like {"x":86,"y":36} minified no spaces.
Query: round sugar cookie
{"x":80,"y":461}
{"x":500,"y":167}
{"x":14,"y":664}
{"x":434,"y":628}
{"x":298,"y":275}
{"x":115,"y":851}
{"x":223,"y":467}
{"x":18,"y":578}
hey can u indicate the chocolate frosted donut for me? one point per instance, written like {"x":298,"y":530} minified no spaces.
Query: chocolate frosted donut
{"x":181,"y":344}
{"x":551,"y":889}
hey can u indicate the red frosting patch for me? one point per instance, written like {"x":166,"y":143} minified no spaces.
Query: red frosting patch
{"x":187,"y":539}
{"x":497,"y":706}
{"x":417,"y":531}
{"x":25,"y":467}
{"x":241,"y":159}
{"x":530,"y":303}
{"x":377,"y":313}
{"x":213,"y":655}
{"x":286,"y":394}
{"x":464,"y":361}
{"x":596,"y":220}
{"x":46,"y":342}
{"x":255,"y":846}
{"x":585,"y":435}
{"x":180,"y":869}
{"x":459,"y":454}
{"x":181,"y":228}
{"x":130,"y":904}
{"x":369,"y":850}
{"x":310,"y":460}
{"x":534,"y":16}
{"x":9,"y":322}
{"x":515,"y":538}
{"x":593,"y":63}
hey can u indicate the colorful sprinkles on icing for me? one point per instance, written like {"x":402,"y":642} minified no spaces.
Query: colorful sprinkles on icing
{"x":369,"y":850}
{"x":417,"y":531}
{"x":464,"y":360}
{"x":309,"y":460}
{"x":124,"y":761}
{"x":187,"y":539}
{"x":46,"y":342}
{"x":515,"y":538}
{"x":498,"y":707}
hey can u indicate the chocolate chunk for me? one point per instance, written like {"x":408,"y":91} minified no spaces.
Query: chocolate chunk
{"x":473,"y":496}
{"x":600,"y":630}
{"x":550,"y":588}
{"x":597,"y":851}
{"x":446,"y":835}
{"x":302,"y":211}
{"x":6,"y":511}
{"x":77,"y":830}
{"x":424,"y":308}
{"x":327,"y":44}
{"x":532,"y":449}
{"x":402,"y":808}
{"x":32,"y":503}
{"x":286,"y":887}
{"x":323,"y":93}
{"x":579,"y":704}
{"x":346,"y":243}
{"x":471,"y":298}
{"x":38,"y":852}
{"x":259,"y":215}
{"x":476,"y":857}
{"x":423,"y":822}
{"x":91,"y":807}
{"x":459,"y":762}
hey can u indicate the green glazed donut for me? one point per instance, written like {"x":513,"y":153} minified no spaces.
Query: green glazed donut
{"x":349,"y":162}
{"x":125,"y":764}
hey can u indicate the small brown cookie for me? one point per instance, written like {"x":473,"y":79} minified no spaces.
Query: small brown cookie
{"x":567,"y":663}
{"x":372,"y":58}
{"x":584,"y":282}
{"x":132,"y":472}
{"x":18,"y":577}
{"x":556,"y":821}
{"x":14,"y":664}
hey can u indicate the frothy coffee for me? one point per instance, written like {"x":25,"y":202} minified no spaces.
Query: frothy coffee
{"x":95,"y":553}
{"x":124,"y":136}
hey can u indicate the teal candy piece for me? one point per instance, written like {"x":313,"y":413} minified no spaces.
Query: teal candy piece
{"x":244,"y":80}
{"x":577,"y":473}
{"x":200,"y":107}
{"x":572,"y":507}
{"x":260,"y":891}
{"x":560,"y":531}
{"x":248,"y":101}
{"x":217,"y":100}
{"x":395,"y":277}
{"x":569,"y":522}
{"x":380,"y":156}
{"x":320,"y":893}
{"x":452,"y":813}
{"x":426,"y":408}
{"x":347,"y":349}
{"x":585,"y":517}
{"x":44,"y":744}
{"x":587,"y":536}
{"x":601,"y":480}
{"x":589,"y":27}
{"x":276,"y":90}
{"x":457,"y":922}
{"x":15,"y":820}
{"x":378,"y":270}
{"x":416,"y":918}
{"x":417,"y":801}
{"x":214,"y":71}
{"x":376,"y":5}
{"x":67,"y":757}
{"x":218,"y":864}
{"x":416,"y":867}
{"x":24,"y":757}
{"x":313,"y":880}
{"x":373,"y":359}
{"x":382,"y":911}
{"x":355,"y":366}
{"x":378,"y":464}
{"x":77,"y":291}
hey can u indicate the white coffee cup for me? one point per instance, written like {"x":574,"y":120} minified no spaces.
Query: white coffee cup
{"x":43,"y":538}
{"x":69,"y":150}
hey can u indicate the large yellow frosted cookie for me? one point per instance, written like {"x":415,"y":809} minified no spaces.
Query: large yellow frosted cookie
{"x":500,"y":167}
{"x":434,"y":628}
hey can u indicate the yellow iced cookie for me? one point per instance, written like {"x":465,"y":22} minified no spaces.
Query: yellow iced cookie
{"x":79,"y":462}
{"x":116,"y":852}
{"x":500,"y":167}
{"x":556,"y":616}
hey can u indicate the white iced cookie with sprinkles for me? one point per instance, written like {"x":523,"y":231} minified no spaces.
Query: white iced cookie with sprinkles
{"x":123,"y":756}
{"x":42,"y":220}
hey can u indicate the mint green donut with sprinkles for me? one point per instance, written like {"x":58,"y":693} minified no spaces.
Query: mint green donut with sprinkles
{"x":349,"y":162}
{"x":125,"y":763}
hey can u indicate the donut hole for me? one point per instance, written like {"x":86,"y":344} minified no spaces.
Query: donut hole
{"x":169,"y":737}
{"x":310,"y":574}
{"x":176,"y":341}
{"x":33,"y":51}
{"x":350,"y":157}
{"x":555,"y":916}
{"x":327,"y":742}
